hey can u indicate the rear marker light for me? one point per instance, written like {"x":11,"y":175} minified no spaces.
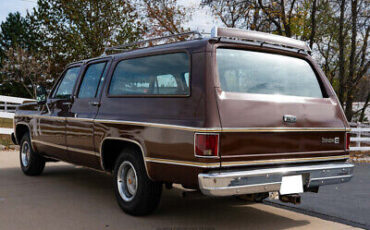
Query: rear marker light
{"x":206,"y":145}
{"x":348,"y":140}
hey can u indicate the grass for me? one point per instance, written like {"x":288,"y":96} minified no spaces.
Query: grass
{"x":6,"y":123}
{"x":6,"y":139}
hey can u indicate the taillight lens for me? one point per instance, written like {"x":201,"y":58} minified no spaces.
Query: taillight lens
{"x":206,"y":145}
{"x":348,"y":140}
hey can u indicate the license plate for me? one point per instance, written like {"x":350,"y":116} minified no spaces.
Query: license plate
{"x":291,"y":184}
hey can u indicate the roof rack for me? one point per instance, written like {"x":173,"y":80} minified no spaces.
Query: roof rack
{"x":123,"y":48}
{"x":263,"y":38}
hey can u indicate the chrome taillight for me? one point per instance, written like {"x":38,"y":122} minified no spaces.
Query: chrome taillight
{"x":206,"y":144}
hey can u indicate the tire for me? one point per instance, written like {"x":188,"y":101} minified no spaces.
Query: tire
{"x":136,"y":194}
{"x":32,"y":164}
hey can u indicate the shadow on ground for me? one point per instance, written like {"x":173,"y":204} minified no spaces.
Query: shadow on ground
{"x":77,"y":198}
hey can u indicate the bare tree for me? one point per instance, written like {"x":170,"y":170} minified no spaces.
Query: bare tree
{"x":164,"y":16}
{"x":23,"y":67}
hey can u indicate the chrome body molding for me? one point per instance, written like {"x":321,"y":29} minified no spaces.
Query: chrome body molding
{"x":282,"y":154}
{"x":282,"y":129}
{"x":243,"y":163}
{"x":65,"y":147}
{"x":188,"y":163}
{"x":183,"y":163}
{"x":282,"y":161}
{"x":196,"y":129}
{"x":228,"y":183}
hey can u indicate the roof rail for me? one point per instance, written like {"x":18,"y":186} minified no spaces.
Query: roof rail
{"x":124,"y":47}
{"x":259,"y":37}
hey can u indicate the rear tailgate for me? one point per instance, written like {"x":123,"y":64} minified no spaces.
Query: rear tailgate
{"x":257,"y":92}
{"x":254,"y":131}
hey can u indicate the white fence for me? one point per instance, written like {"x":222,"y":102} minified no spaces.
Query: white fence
{"x":362,"y":135}
{"x":9,"y":104}
{"x":7,"y":109}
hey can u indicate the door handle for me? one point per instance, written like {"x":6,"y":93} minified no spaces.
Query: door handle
{"x":94,"y":103}
{"x":67,"y":103}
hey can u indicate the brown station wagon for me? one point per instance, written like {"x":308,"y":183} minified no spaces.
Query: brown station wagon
{"x":239,"y":112}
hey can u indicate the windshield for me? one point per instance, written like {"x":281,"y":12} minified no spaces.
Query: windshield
{"x":264,"y":73}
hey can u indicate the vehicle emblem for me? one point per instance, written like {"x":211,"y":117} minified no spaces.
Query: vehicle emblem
{"x":289,"y":118}
{"x":325,"y":140}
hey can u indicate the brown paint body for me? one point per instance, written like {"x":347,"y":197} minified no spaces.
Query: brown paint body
{"x":250,"y":125}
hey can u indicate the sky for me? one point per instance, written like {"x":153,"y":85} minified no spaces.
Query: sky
{"x":202,"y":19}
{"x":11,"y":6}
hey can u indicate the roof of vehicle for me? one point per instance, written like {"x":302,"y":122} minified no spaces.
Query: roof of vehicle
{"x":217,"y":34}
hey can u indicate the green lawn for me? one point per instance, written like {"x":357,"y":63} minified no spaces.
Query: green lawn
{"x":6,"y":139}
{"x":6,"y":123}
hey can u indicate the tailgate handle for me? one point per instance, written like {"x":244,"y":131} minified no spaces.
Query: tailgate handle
{"x":289,"y":118}
{"x":94,"y":103}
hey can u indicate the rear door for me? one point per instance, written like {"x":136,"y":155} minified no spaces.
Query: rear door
{"x":85,"y":105}
{"x":274,"y":108}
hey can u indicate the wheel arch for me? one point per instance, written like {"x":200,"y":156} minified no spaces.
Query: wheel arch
{"x":20,"y":130}
{"x":115,"y":145}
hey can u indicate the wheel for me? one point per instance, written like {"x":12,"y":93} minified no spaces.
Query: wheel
{"x":32,"y":163}
{"x":136,"y":194}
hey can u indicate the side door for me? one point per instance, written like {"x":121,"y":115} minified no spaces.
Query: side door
{"x":80,"y":118}
{"x":51,"y":139}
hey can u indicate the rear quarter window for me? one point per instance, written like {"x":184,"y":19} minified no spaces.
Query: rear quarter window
{"x":264,"y":73}
{"x":166,"y":74}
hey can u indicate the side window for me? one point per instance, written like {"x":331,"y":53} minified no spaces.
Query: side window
{"x":92,"y":80}
{"x":166,"y":84}
{"x":186,"y":76}
{"x":166,"y":74}
{"x":65,"y":87}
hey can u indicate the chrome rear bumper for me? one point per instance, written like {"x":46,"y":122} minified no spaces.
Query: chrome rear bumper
{"x":227,"y":183}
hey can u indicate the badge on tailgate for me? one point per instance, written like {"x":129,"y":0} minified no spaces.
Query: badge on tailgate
{"x":325,"y":140}
{"x":289,"y":118}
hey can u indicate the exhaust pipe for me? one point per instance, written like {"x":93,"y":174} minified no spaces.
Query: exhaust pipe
{"x":292,"y":198}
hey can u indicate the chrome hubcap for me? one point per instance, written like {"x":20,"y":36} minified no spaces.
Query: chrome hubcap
{"x":127,"y":181}
{"x":25,"y":154}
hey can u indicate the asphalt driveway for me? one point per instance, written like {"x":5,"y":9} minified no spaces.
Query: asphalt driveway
{"x":347,"y":203}
{"x":71,"y":197}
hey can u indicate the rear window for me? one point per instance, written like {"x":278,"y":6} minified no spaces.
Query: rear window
{"x":263,"y":73}
{"x":166,"y":74}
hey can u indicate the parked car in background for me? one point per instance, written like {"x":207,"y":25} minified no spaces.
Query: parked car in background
{"x":240,"y":112}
